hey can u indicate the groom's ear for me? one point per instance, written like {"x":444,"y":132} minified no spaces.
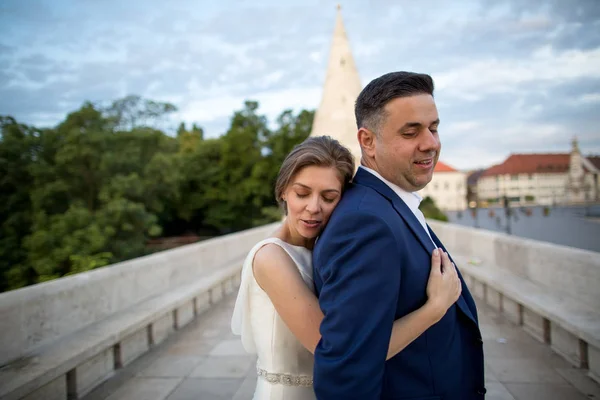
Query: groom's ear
{"x":366,"y":140}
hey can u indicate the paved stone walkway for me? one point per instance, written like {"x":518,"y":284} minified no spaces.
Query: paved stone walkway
{"x":204,"y":361}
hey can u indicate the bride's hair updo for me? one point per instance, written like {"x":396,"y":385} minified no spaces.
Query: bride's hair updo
{"x":319,"y":151}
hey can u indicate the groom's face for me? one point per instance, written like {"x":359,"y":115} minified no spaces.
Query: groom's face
{"x":407,"y":145}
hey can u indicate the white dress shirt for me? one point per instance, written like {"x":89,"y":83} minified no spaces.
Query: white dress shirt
{"x":411,"y":199}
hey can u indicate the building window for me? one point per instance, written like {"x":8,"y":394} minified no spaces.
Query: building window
{"x":446,"y":186}
{"x":514,"y":177}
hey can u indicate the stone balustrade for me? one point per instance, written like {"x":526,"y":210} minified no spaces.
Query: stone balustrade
{"x":60,"y":339}
{"x":552,"y":291}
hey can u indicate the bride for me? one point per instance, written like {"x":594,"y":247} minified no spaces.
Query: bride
{"x":276,"y":312}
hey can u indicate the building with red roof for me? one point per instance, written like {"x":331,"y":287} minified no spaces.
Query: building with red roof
{"x":448,"y":188}
{"x":550,"y":178}
{"x":531,"y":164}
{"x":443,"y":167}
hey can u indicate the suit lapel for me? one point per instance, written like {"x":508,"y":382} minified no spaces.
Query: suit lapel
{"x":462,"y":304}
{"x":365,"y":178}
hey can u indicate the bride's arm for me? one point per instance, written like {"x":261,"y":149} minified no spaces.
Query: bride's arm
{"x":443,"y":289}
{"x":276,"y":273}
{"x":296,"y":304}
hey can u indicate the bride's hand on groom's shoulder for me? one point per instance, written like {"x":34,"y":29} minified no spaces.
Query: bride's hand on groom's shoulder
{"x":444,"y":286}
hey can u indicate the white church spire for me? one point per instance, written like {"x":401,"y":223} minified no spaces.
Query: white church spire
{"x":335,"y":116}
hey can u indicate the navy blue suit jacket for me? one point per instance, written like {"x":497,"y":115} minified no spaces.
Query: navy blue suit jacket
{"x":371,"y":267}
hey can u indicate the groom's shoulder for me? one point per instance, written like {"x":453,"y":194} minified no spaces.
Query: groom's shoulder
{"x":359,"y":207}
{"x":359,"y":202}
{"x":361,"y":199}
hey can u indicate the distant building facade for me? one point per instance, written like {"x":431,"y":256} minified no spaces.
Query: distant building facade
{"x":522,"y":178}
{"x":565,"y":178}
{"x":472,"y":179}
{"x":448,"y":188}
{"x":582,"y":178}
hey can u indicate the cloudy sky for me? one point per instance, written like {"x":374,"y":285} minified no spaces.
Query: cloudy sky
{"x":511,"y":75}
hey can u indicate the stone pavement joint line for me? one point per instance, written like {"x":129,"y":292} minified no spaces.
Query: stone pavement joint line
{"x":206,"y":361}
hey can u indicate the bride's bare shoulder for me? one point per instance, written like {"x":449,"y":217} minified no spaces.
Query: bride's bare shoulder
{"x":269,"y":254}
{"x":271,"y":259}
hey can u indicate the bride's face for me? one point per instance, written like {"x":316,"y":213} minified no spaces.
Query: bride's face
{"x":311,"y":197}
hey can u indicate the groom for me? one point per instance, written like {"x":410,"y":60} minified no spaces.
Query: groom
{"x":372,"y":263}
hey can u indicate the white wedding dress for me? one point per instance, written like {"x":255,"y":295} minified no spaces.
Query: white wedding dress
{"x":284,"y":366}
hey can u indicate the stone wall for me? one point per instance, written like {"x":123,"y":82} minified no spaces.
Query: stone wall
{"x":73,"y":333}
{"x":38,"y":315}
{"x":551,"y":291}
{"x":563,"y":270}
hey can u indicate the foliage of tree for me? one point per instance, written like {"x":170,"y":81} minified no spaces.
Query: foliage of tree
{"x":430,"y":210}
{"x":18,"y":145}
{"x":92,"y":190}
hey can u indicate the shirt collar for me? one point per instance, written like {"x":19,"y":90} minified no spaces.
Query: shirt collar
{"x":412,"y":199}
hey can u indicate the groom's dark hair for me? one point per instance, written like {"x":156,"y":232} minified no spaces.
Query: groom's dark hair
{"x":369,"y":106}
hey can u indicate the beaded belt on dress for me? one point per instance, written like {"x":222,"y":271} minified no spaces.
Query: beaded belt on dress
{"x":285,"y":379}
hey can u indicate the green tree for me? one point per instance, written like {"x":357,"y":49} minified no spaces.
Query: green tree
{"x":430,"y":210}
{"x":199,"y":186}
{"x":97,"y":193}
{"x":181,"y":129}
{"x":133,"y":112}
{"x":57,"y":238}
{"x":189,"y":140}
{"x":18,"y":145}
{"x":92,"y":190}
{"x":291,"y":130}
{"x":198,"y":131}
{"x":235,"y":201}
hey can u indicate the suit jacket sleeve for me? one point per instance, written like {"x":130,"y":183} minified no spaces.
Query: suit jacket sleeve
{"x":358,"y":262}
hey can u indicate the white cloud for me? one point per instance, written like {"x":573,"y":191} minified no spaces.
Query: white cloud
{"x":482,"y":145}
{"x":272,"y":78}
{"x":271,"y":104}
{"x":369,"y":49}
{"x":464,"y":126}
{"x":508,"y":75}
{"x":533,"y":23}
{"x":316,"y":56}
{"x":209,"y":109}
{"x":588,"y":98}
{"x":47,"y":119}
{"x":470,"y":156}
